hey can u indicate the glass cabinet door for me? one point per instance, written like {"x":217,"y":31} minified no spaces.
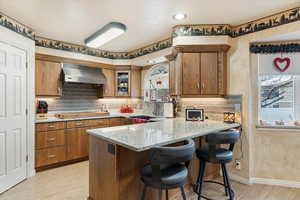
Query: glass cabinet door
{"x":123,"y":83}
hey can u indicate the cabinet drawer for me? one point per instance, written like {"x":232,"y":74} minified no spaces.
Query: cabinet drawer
{"x":50,"y":139}
{"x":115,"y":121}
{"x":50,"y":126}
{"x":50,"y":156}
{"x":77,"y":124}
{"x":98,"y":122}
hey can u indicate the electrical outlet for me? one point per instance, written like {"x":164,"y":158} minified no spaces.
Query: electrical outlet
{"x":238,"y":164}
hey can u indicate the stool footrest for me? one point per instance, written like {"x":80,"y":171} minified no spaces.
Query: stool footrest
{"x":215,"y":182}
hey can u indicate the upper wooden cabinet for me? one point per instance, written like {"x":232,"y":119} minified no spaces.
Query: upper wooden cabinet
{"x":48,"y":78}
{"x":200,"y":71}
{"x":136,"y":82}
{"x":109,"y":87}
{"x":123,"y":83}
{"x":209,"y":73}
{"x":190,"y":74}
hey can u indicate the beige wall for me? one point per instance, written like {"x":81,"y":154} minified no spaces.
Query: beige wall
{"x":268,"y":154}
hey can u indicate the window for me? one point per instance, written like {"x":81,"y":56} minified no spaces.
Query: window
{"x":279,"y":99}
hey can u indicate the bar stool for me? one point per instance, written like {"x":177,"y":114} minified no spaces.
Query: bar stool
{"x":168,"y":168}
{"x":214,"y":154}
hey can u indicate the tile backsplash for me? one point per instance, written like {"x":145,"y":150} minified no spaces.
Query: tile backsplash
{"x":79,"y":97}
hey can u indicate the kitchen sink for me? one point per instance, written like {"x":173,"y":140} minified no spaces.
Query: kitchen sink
{"x":146,"y":117}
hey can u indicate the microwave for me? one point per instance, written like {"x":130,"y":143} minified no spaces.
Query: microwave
{"x":194,"y":115}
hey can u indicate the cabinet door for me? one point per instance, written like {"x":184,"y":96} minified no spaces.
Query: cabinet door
{"x":136,"y":83}
{"x":109,"y":88}
{"x":172,"y":80}
{"x":48,"y":78}
{"x":122,"y":83}
{"x":209,"y":73}
{"x":77,"y":143}
{"x":191,"y":74}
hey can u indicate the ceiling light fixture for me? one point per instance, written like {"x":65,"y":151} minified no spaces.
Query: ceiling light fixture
{"x":179,"y":16}
{"x":105,"y":34}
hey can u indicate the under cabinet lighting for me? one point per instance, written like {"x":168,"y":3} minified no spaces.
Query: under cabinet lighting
{"x":105,"y":34}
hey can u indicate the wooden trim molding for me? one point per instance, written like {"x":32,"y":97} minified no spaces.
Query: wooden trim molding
{"x":201,"y":48}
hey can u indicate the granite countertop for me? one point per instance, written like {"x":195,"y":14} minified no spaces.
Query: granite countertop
{"x":111,"y":115}
{"x":140,"y":137}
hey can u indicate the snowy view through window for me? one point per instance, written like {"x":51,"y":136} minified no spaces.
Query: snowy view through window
{"x":279,"y":98}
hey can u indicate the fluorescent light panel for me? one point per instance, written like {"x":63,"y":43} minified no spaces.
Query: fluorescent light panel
{"x":107,"y":33}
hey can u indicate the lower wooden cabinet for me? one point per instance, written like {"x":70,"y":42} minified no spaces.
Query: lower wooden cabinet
{"x":50,"y":156}
{"x":77,"y":143}
{"x":50,"y":139}
{"x":62,"y":142}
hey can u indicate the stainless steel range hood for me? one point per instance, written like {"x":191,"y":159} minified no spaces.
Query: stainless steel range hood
{"x":82,"y":74}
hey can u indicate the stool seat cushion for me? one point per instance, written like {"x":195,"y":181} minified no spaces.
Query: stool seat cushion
{"x":171,"y":177}
{"x":221,"y":156}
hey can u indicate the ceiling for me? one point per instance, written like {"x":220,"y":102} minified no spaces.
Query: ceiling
{"x":147,"y":21}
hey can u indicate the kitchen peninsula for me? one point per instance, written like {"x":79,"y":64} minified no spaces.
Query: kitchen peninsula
{"x":118,"y":153}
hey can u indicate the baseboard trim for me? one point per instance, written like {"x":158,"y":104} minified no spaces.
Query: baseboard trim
{"x":263,"y":181}
{"x":240,"y":179}
{"x":31,"y":173}
{"x":276,"y":182}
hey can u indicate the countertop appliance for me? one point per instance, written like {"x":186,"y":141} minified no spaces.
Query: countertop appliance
{"x":194,"y":115}
{"x":168,"y":110}
{"x":42,"y":107}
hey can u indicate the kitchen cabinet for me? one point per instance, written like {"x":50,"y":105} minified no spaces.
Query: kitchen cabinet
{"x":50,"y":144}
{"x":109,"y":88}
{"x":200,"y":70}
{"x":50,"y":139}
{"x":135,"y":82}
{"x":48,"y":78}
{"x":122,"y":84}
{"x":50,"y":156}
{"x":175,"y":75}
{"x":77,"y":145}
{"x":59,"y":143}
{"x":209,"y":73}
{"x":191,"y":74}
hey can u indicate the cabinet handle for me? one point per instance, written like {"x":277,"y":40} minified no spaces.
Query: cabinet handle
{"x":51,"y":126}
{"x":198,"y":86}
{"x":79,"y":124}
{"x":51,"y":139}
{"x":58,"y":90}
{"x":203,"y":86}
{"x":51,"y":156}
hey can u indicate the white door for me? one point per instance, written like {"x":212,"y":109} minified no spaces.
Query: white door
{"x":12,"y":116}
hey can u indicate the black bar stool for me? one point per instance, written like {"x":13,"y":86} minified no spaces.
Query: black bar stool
{"x":214,"y":154}
{"x":168,"y":168}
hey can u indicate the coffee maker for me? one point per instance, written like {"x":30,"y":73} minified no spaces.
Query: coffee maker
{"x":42,"y":110}
{"x":42,"y":107}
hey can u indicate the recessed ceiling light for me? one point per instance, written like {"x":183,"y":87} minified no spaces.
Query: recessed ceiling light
{"x":105,"y":34}
{"x":179,"y":16}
